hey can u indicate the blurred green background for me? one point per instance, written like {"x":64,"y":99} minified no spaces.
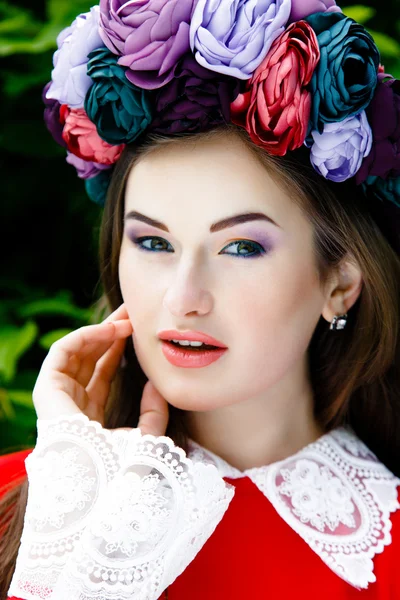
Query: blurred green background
{"x":49,"y":280}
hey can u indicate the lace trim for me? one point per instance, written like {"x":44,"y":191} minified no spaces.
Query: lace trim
{"x":111,"y":514}
{"x":335,"y":494}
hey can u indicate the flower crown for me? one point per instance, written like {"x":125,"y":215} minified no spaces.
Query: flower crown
{"x":291,"y":72}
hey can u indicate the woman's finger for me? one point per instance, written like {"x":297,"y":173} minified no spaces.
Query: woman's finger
{"x":82,"y":370}
{"x":81,"y":367}
{"x":154,"y":413}
{"x":118,"y":313}
{"x":87,"y":365}
{"x":98,"y":388}
{"x":75,"y":342}
{"x":96,"y":351}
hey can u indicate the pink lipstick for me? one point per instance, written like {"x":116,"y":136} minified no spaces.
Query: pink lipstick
{"x":188,"y":357}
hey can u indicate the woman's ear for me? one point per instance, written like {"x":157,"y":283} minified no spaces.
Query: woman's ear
{"x":343,"y":289}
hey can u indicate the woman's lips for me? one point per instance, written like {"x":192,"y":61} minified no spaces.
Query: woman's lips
{"x":180,"y":356}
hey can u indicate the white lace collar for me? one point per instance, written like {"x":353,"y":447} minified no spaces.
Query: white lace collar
{"x":117,"y":514}
{"x":334,"y":493}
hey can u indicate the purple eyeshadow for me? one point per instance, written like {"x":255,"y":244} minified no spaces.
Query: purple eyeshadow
{"x":259,"y":236}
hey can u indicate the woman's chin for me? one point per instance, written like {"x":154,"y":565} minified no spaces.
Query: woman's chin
{"x":192,"y":401}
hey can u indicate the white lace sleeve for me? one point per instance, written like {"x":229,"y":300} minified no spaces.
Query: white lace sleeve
{"x":111,"y":514}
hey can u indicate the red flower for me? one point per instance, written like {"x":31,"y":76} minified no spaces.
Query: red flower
{"x":275,"y":106}
{"x":82,"y":139}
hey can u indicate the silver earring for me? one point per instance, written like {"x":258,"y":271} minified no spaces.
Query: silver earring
{"x":338,"y":322}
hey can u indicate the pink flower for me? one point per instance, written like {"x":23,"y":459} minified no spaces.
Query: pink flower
{"x":82,"y":139}
{"x":276,"y":104}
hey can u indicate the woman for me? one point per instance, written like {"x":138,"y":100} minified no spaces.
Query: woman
{"x":291,"y":426}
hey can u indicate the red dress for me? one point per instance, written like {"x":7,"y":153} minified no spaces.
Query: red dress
{"x":254,"y":554}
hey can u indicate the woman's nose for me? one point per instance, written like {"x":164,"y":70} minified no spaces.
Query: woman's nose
{"x":187,"y":294}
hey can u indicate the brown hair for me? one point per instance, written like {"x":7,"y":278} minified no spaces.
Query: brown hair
{"x":354,"y":372}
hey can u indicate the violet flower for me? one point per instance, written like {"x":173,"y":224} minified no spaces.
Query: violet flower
{"x":233,"y":36}
{"x":337,"y":152}
{"x":149,"y":36}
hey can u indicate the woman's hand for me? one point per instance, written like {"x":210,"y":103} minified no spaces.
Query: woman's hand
{"x":76,"y":375}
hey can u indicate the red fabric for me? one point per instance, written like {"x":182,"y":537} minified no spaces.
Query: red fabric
{"x":254,"y":555}
{"x":12,"y":469}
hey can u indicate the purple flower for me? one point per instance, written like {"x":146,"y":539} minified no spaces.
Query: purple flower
{"x":85,"y":168}
{"x":194,"y":100}
{"x":233,"y":36}
{"x":150,"y":36}
{"x":70,"y":81}
{"x":384,"y":117}
{"x":304,"y":8}
{"x":52,"y":117}
{"x":337,"y":152}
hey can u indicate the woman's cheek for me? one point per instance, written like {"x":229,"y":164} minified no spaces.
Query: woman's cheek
{"x":135,"y":293}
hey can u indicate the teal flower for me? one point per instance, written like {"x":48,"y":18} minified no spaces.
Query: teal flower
{"x":120,"y":110}
{"x":345,"y":79}
{"x":384,"y":189}
{"x":96,"y":187}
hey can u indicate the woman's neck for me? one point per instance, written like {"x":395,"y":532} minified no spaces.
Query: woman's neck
{"x":259,"y":431}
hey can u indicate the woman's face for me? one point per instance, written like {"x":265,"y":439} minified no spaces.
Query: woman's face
{"x":252,"y":286}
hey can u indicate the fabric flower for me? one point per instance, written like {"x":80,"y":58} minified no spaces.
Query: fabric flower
{"x":276,"y":106}
{"x":304,"y":8}
{"x":97,"y":187}
{"x":234,"y":36}
{"x":194,"y":100}
{"x":69,"y":79}
{"x":338,"y":151}
{"x":120,"y":110}
{"x":385,"y":189}
{"x":384,"y":117}
{"x":51,"y":116}
{"x":150,"y":36}
{"x":346,"y":76}
{"x":85,"y":169}
{"x":82,"y":139}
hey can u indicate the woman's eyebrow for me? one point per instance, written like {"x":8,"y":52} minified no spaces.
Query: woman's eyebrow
{"x":228,"y":222}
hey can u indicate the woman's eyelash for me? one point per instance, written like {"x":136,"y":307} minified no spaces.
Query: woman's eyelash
{"x":259,"y":250}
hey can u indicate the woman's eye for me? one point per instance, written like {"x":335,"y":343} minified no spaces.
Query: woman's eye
{"x":245,"y":248}
{"x":245,"y":245}
{"x":154,"y":247}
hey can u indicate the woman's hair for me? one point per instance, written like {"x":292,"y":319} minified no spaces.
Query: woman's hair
{"x":354,"y":372}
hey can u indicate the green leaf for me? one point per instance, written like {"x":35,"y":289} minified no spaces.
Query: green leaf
{"x":14,"y":23}
{"x":14,"y":18}
{"x":359,"y":12}
{"x":388,"y":47}
{"x":64,"y":12}
{"x":52,"y":336}
{"x":44,"y":41}
{"x":6,"y":410}
{"x":19,"y":31}
{"x":60,"y":305}
{"x":21,"y":397}
{"x":15,"y":84}
{"x":25,"y":379}
{"x":28,"y":138}
{"x":14,"y":342}
{"x":396,"y":72}
{"x":19,"y":433}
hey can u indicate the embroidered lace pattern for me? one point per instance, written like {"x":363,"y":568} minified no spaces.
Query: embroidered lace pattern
{"x":335,"y":494}
{"x":111,"y":514}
